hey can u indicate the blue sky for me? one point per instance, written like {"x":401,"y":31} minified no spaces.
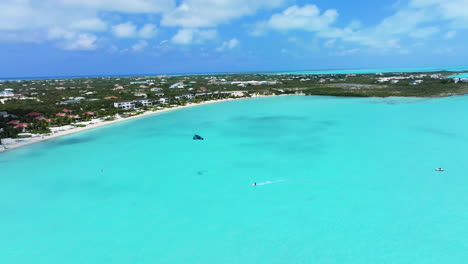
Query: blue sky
{"x":99,"y":37}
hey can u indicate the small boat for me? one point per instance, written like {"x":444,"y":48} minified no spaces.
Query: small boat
{"x":197,"y":137}
{"x":439,"y":169}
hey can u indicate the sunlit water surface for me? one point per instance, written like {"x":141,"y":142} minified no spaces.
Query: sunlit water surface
{"x":339,"y":180}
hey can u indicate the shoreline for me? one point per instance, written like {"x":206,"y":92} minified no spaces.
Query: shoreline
{"x":38,"y":139}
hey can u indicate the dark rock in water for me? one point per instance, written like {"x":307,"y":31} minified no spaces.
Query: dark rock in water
{"x":197,"y":137}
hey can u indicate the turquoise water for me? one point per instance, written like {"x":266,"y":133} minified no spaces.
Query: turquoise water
{"x":460,"y":75}
{"x":352,"y":181}
{"x":377,"y":70}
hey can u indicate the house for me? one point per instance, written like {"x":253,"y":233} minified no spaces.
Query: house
{"x":60,"y":114}
{"x":144,"y":102}
{"x":126,"y":105}
{"x":156,"y":89}
{"x":34,"y":114}
{"x":6,"y":93}
{"x":237,"y":93}
{"x":159,"y":94}
{"x":6,"y":115}
{"x":110,"y":97}
{"x":163,"y":100}
{"x":67,"y":110}
{"x":89,"y":113}
{"x":188,"y":96}
{"x":140,"y":94}
{"x":179,"y":85}
{"x":13,"y":122}
{"x":21,"y":125}
{"x":415,"y":82}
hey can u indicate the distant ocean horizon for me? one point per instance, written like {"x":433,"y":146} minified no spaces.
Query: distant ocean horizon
{"x":311,"y":72}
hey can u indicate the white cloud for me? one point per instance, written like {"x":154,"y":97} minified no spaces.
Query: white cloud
{"x":147,"y":31}
{"x":80,"y":42}
{"x":124,"y":30}
{"x":91,"y":24}
{"x":126,"y":6}
{"x":210,"y":13}
{"x":190,"y":35}
{"x":37,"y":21}
{"x":230,"y":44}
{"x":306,"y":18}
{"x":140,"y":45}
{"x":130,"y":30}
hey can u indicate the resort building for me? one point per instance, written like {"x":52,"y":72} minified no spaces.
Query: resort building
{"x":126,"y":105}
{"x":144,"y":102}
{"x":163,"y":100}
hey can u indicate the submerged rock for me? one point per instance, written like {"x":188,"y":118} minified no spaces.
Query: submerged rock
{"x":197,"y":137}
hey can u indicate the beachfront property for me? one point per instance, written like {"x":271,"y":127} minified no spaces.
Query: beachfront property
{"x":164,"y":100}
{"x":126,"y":105}
{"x":185,"y":96}
{"x":143,"y":102}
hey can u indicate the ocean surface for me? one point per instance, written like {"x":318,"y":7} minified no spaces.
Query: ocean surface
{"x":339,"y":180}
{"x":461,"y":75}
{"x":377,"y":70}
{"x":312,"y":72}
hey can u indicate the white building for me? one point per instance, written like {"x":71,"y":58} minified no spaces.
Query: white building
{"x":126,"y":105}
{"x":163,"y":100}
{"x":7,"y":93}
{"x":144,"y":102}
{"x":179,"y":85}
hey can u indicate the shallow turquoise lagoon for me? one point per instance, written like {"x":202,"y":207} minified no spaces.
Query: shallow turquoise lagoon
{"x":352,"y":180}
{"x":460,"y":75}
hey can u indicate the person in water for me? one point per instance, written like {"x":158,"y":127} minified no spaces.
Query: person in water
{"x":254,"y":184}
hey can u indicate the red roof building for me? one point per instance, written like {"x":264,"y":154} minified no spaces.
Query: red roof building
{"x":72,"y":116}
{"x":48,"y":120}
{"x":66,"y":110}
{"x":38,"y":118}
{"x":60,"y":114}
{"x":34,"y":114}
{"x":13,"y":122}
{"x":89,"y":113}
{"x":21,"y":125}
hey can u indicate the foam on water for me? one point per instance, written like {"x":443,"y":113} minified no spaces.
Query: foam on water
{"x":360,"y":186}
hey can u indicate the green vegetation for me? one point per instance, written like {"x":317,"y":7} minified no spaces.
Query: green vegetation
{"x":60,"y":102}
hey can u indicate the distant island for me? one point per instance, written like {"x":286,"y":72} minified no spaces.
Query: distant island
{"x":35,"y":110}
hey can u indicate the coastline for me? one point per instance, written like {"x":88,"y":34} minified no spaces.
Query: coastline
{"x":34,"y":140}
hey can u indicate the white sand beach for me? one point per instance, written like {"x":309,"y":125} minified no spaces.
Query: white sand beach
{"x":13,"y":143}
